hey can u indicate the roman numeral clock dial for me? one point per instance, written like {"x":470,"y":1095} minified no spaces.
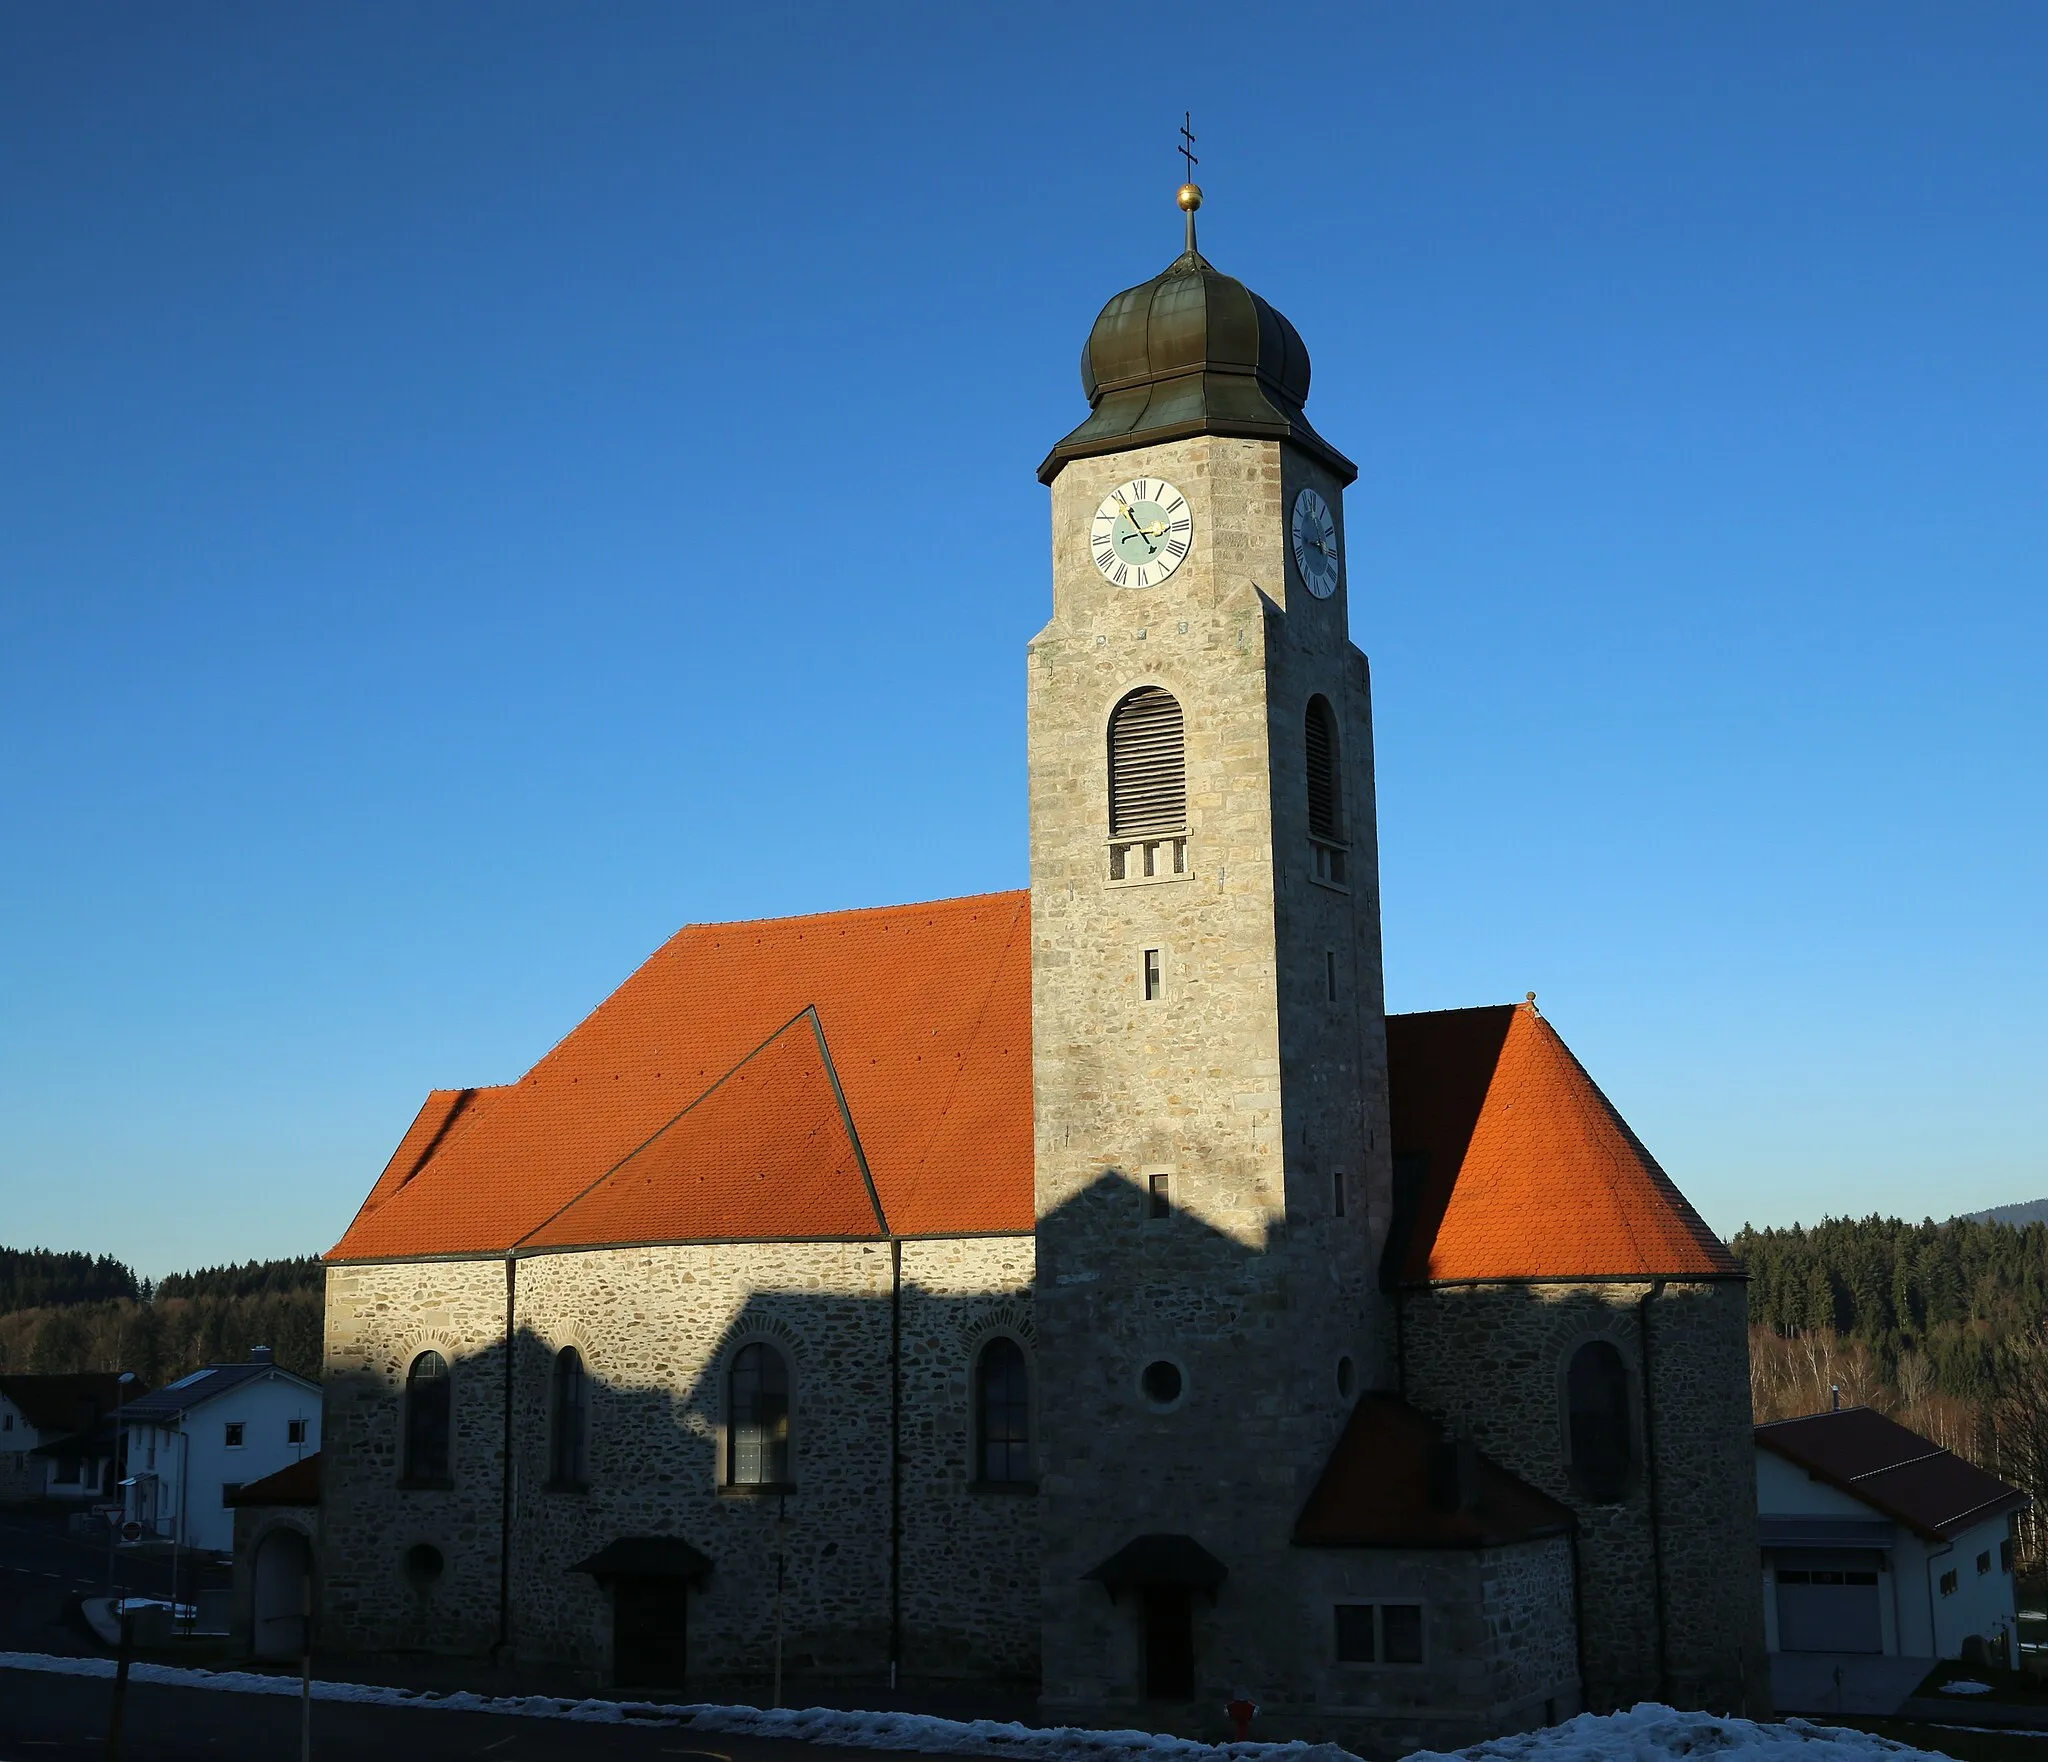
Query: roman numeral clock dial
{"x":1141,"y":533}
{"x":1315,"y":544}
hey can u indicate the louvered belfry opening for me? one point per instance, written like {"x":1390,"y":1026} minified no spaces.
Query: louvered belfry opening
{"x":1324,"y":818}
{"x":1325,"y":792}
{"x":1148,"y":788}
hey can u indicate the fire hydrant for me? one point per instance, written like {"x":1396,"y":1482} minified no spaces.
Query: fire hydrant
{"x":1239,"y":1712}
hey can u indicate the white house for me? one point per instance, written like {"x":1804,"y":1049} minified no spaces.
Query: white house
{"x":56,"y":1436}
{"x":194,"y":1444}
{"x":1876,"y":1539}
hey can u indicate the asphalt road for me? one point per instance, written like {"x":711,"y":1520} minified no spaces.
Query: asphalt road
{"x":43,"y":1573}
{"x":45,"y":1718}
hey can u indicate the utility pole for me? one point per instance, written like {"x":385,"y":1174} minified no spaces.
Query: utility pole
{"x":120,"y":1482}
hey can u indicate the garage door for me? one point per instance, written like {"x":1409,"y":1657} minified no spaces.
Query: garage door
{"x":1823,"y":1610}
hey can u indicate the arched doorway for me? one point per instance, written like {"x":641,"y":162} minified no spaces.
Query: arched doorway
{"x":284,"y":1563}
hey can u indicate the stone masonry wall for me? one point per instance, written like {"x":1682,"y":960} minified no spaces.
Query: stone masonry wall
{"x":379,"y":1319}
{"x":1244,"y":1084}
{"x":1489,"y":1361}
{"x":656,"y":1329}
{"x":1498,"y":1654}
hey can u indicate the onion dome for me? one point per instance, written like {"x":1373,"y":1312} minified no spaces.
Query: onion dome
{"x":1192,"y":351}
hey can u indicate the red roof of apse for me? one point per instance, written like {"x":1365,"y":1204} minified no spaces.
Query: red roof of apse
{"x":1529,"y":1171}
{"x":924,"y":1014}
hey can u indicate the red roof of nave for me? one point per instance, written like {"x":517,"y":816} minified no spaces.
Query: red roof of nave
{"x":925,"y":1010}
{"x":1530,"y":1173}
{"x":698,"y":1103}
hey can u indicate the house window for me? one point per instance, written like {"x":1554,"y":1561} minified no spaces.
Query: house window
{"x":1596,"y":1397}
{"x":1325,"y":791}
{"x":1983,"y":1562}
{"x":1379,"y":1633}
{"x":1002,"y":1413}
{"x":294,"y":1431}
{"x":1337,"y":1192}
{"x":233,"y":1429}
{"x":228,"y":1490}
{"x":757,"y":1437}
{"x":1158,"y":1196}
{"x":1948,"y":1584}
{"x":429,"y":1413}
{"x":567,"y":1465}
{"x":1152,"y":977}
{"x":1148,"y":790}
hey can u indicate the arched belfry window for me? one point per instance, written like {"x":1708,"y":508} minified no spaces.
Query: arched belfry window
{"x":1597,"y":1410}
{"x":569,"y":1421}
{"x":1148,"y":788}
{"x":429,"y":1419}
{"x":1002,"y":1414}
{"x":1324,"y":765}
{"x":757,"y":1418}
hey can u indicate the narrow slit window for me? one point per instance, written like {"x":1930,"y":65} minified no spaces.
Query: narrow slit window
{"x":1159,"y":1196}
{"x":1337,"y":1192}
{"x":1152,"y":978}
{"x":1330,"y":974}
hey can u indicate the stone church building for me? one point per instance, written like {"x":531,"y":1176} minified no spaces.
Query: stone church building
{"x":1087,"y":1291}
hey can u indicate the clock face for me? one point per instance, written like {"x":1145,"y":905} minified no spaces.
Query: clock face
{"x":1315,"y":544}
{"x":1141,"y":533}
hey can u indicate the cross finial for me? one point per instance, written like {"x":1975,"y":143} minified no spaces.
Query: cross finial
{"x":1190,"y":196}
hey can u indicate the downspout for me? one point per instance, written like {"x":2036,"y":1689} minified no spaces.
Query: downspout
{"x":1655,"y":1291}
{"x":895,"y":1459}
{"x":1578,"y":1615}
{"x":505,"y":1469}
{"x":1401,"y":1346}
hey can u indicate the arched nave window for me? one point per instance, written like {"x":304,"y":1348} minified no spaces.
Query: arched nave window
{"x":569,"y":1416}
{"x":1597,"y":1406}
{"x":429,"y":1418}
{"x":757,"y":1418}
{"x":1002,"y":1413}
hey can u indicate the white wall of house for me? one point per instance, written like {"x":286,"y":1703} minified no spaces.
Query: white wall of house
{"x":21,"y":1477}
{"x":185,"y":1468}
{"x":1920,"y":1619}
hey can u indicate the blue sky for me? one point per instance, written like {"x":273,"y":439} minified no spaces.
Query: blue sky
{"x":393,"y":649}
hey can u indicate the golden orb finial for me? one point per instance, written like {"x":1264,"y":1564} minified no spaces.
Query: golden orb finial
{"x":1189,"y":196}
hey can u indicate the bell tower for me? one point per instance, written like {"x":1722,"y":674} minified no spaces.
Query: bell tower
{"x":1209,"y":1037}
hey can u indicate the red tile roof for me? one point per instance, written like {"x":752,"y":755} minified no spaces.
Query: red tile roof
{"x":694,"y":1104}
{"x":1529,"y":1171}
{"x":297,"y":1483}
{"x":1892,"y":1469}
{"x":1395,"y":1481}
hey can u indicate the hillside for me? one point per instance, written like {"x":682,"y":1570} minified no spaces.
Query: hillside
{"x":2027,"y":1211}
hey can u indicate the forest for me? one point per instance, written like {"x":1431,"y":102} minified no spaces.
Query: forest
{"x":1942,"y":1326}
{"x":71,"y":1312}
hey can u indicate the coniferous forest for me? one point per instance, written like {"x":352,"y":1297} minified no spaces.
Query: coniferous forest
{"x":1943,"y":1326}
{"x":74,"y":1312}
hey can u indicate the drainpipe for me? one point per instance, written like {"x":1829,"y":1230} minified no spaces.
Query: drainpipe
{"x":895,"y":1459}
{"x":504,"y":1641}
{"x":1655,"y":1291}
{"x":1578,"y":1615}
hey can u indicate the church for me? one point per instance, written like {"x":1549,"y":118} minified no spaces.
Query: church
{"x":1089,"y":1292}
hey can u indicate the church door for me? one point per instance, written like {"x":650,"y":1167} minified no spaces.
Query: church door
{"x":1169,"y":1643}
{"x":649,"y":1626}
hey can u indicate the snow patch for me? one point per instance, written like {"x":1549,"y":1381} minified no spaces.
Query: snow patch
{"x":1646,"y":1733}
{"x":1962,"y":1687}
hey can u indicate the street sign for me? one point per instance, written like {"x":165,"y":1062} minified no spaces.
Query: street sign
{"x":131,"y":1531}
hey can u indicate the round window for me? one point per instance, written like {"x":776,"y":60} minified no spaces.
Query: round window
{"x":1162,"y":1382}
{"x":1347,"y":1377}
{"x":423,"y":1563}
